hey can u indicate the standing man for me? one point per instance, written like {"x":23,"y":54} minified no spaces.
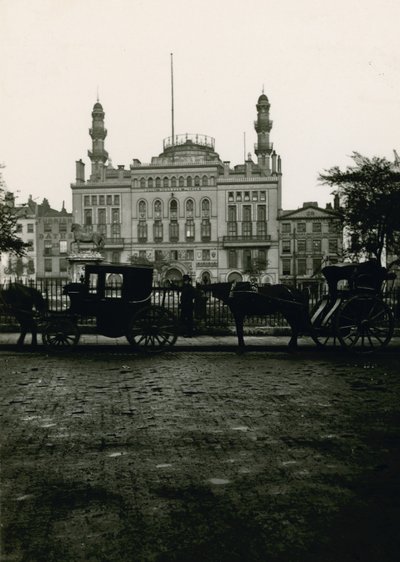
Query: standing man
{"x":188,"y":295}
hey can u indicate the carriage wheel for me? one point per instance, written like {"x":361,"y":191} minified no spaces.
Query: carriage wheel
{"x":322,"y":331}
{"x":364,"y":323}
{"x":60,"y":333}
{"x":153,"y":329}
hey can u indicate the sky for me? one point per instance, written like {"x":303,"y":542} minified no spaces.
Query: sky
{"x":330,"y":69}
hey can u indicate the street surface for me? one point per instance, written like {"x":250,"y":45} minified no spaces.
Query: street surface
{"x":200,"y":456}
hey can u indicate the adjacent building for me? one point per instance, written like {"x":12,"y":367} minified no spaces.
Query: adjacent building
{"x":47,"y":233}
{"x":187,"y":211}
{"x":310,"y":238}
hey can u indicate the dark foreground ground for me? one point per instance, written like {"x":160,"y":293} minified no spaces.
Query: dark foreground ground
{"x":200,"y":456}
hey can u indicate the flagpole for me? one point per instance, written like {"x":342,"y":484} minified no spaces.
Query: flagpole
{"x":172,"y":98}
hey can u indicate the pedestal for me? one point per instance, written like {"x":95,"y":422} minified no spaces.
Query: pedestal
{"x":78,"y":261}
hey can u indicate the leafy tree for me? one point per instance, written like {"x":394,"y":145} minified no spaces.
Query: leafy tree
{"x":369,"y":195}
{"x":9,"y":240}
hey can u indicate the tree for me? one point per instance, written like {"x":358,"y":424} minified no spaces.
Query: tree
{"x":369,"y":195}
{"x":9,"y":241}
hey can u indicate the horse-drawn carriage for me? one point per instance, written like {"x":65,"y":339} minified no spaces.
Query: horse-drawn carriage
{"x":353,"y":313}
{"x":117,"y":296}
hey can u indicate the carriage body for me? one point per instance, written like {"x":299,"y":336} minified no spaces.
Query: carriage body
{"x":353,"y":313}
{"x":119,"y":298}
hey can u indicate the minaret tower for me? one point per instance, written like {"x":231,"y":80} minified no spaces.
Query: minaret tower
{"x":263,"y":126}
{"x":98,"y":155}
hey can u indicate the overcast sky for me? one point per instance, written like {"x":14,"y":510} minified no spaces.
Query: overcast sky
{"x":331,"y":71}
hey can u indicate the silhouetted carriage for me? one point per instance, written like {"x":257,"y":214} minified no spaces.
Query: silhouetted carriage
{"x":119,"y":298}
{"x":353,"y":313}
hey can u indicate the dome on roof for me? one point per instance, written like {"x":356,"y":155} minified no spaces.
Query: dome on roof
{"x":262,"y":98}
{"x":98,"y":105}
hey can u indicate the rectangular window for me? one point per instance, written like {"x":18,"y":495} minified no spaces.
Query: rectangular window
{"x":101,"y":216}
{"x":109,"y":199}
{"x":18,"y":228}
{"x":62,"y":225}
{"x":286,"y":228}
{"x":48,"y":246}
{"x":254,"y":195}
{"x":158,"y":255}
{"x":116,"y":199}
{"x":88,"y":217}
{"x":115,"y":231}
{"x":333,"y":245}
{"x":115,"y":217}
{"x":317,"y":263}
{"x":63,"y":246}
{"x":47,"y":225}
{"x":142,"y":231}
{"x":301,"y":227}
{"x":232,"y":213}
{"x":232,"y":228}
{"x":189,"y":230}
{"x":246,"y":213}
{"x":158,"y":231}
{"x":30,"y":227}
{"x":174,"y":255}
{"x":247,"y":195}
{"x":230,"y":196}
{"x":316,"y":227}
{"x":94,"y":200}
{"x":239,"y":196}
{"x":261,"y":213}
{"x":247,"y":261}
{"x":63,"y":265}
{"x":86,"y":200}
{"x":262,"y":259}
{"x":333,"y":227}
{"x":286,"y":266}
{"x":232,"y":259}
{"x":261,"y":229}
{"x":301,"y":246}
{"x":48,"y":265}
{"x":316,"y":246}
{"x":262,"y":196}
{"x":102,"y":200}
{"x":286,"y":246}
{"x":205,"y":255}
{"x":190,"y":255}
{"x":173,"y":231}
{"x":205,"y":230}
{"x":247,"y":229}
{"x":301,"y":266}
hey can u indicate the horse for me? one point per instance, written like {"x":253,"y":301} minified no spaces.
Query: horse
{"x":81,"y":235}
{"x":244,"y":299}
{"x":21,"y":301}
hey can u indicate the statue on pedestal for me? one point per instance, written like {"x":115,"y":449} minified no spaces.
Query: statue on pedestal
{"x":82,"y":235}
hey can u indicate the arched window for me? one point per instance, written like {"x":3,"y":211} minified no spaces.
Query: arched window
{"x":205,"y":209}
{"x":166,"y":182}
{"x":173,"y":210}
{"x":189,"y":181}
{"x":197,"y":181}
{"x":173,"y":181}
{"x":158,"y":182}
{"x":204,"y":181}
{"x":142,"y":210}
{"x":189,"y":208}
{"x":157,"y":209}
{"x":142,"y":183}
{"x":150,"y":182}
{"x":181,"y":181}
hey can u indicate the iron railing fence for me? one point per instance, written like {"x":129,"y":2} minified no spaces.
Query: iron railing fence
{"x":210,"y":312}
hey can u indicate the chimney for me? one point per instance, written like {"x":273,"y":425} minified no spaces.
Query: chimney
{"x":226,"y":168}
{"x":80,"y":171}
{"x":274,"y":157}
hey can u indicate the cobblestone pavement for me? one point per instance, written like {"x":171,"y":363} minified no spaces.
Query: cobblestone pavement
{"x":208,"y":457}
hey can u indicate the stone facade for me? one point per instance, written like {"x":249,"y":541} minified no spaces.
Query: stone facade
{"x":186,"y":211}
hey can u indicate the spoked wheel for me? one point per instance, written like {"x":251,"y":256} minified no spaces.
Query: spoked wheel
{"x":153,"y":329}
{"x":322,"y":324}
{"x":60,"y":334}
{"x":364,"y":323}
